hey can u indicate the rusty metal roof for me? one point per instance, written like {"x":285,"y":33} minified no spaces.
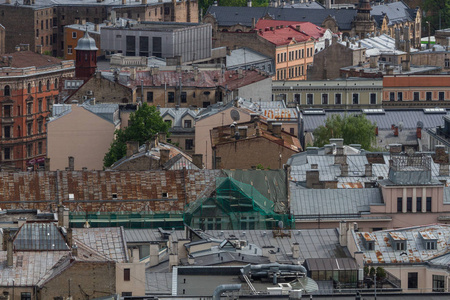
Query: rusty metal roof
{"x":415,"y":252}
{"x":106,"y":191}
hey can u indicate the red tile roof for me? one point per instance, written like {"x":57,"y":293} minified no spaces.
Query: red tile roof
{"x":207,"y":79}
{"x":306,"y":28}
{"x":24,"y":59}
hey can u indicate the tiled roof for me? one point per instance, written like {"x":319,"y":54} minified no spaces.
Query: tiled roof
{"x":24,"y":59}
{"x":284,"y":35}
{"x":307,"y":28}
{"x":311,"y":203}
{"x":93,"y":190}
{"x":109,"y":241}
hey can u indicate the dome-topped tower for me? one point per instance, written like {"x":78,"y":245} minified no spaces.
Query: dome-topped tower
{"x":86,"y":60}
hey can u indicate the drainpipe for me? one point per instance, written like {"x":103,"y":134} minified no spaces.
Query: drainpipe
{"x":225,"y":288}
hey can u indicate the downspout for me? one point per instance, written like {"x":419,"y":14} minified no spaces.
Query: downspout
{"x":225,"y":288}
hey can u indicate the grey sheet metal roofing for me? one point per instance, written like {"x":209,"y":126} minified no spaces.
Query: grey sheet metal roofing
{"x":178,"y":114}
{"x":108,"y":112}
{"x":395,"y":11}
{"x":416,"y":251}
{"x":243,"y":56}
{"x":229,"y":16}
{"x":326,"y":264}
{"x":409,"y":117}
{"x":310,"y":203}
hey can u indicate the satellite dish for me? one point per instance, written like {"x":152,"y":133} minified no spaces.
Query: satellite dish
{"x":420,"y":124}
{"x":234,"y":114}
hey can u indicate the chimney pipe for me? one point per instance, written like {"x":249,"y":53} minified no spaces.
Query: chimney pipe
{"x":164,"y":156}
{"x":197,"y":160}
{"x":71,"y":163}
{"x":395,"y":130}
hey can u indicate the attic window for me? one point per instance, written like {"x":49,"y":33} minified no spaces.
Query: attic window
{"x":114,"y":196}
{"x":400,"y":246}
{"x":431,"y":245}
{"x":370,"y":245}
{"x":71,"y":197}
{"x":165,"y":195}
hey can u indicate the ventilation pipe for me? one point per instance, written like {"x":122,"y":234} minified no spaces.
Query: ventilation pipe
{"x":225,"y":288}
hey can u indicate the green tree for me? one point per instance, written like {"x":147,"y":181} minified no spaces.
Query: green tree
{"x":354,"y":129}
{"x":142,"y":126}
{"x":437,"y":13}
{"x":381,"y":273}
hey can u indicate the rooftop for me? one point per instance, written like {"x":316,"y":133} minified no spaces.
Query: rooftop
{"x":51,"y":3}
{"x":25,"y":59}
{"x":154,"y":26}
{"x":307,"y":28}
{"x":283,"y":35}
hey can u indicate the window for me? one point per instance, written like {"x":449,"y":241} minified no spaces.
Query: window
{"x":412,"y":280}
{"x":441,"y":96}
{"x":40,"y":105}
{"x":310,"y":99}
{"x":355,"y":98}
{"x":74,"y":34}
{"x":29,"y":88}
{"x":7,"y":111}
{"x":324,"y":98}
{"x":171,"y":96}
{"x":370,"y":245}
{"x":127,"y":294}
{"x":189,"y":144}
{"x":430,"y":245}
{"x":447,"y":63}
{"x":7,"y":153}
{"x":429,"y":96}
{"x":391,"y":96}
{"x":416,"y":96}
{"x":40,"y":148}
{"x":56,"y":84}
{"x":400,"y":246}
{"x":7,"y":91}
{"x":40,"y":86}
{"x":6,"y":132}
{"x":30,"y":128}
{"x":400,"y":96}
{"x":399,"y":204}
{"x":25,"y":296}
{"x":131,"y":45}
{"x":373,"y":98}
{"x":409,"y":204}
{"x":30,"y":150}
{"x":438,"y":283}
{"x":157,"y":46}
{"x":40,"y":125}
{"x":183,"y":97}
{"x":69,"y":49}
{"x":143,"y":46}
{"x":419,"y":203}
{"x":126,"y":274}
{"x":338,"y":99}
{"x":29,"y":108}
{"x":187,"y":123}
{"x":429,"y":204}
{"x":297,"y":98}
{"x":149,"y":97}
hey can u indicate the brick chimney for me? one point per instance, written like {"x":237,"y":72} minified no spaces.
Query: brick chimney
{"x":443,"y":169}
{"x":132,"y":148}
{"x":395,"y":148}
{"x":71,"y":163}
{"x":276,"y":129}
{"x":340,"y":158}
{"x":440,"y":154}
{"x":164,"y":155}
{"x":243,"y":131}
{"x":162,"y":137}
{"x":395,"y":130}
{"x":197,"y":160}
{"x":344,"y":170}
{"x":218,"y":163}
{"x":419,"y":133}
{"x":312,"y":178}
{"x":368,"y":170}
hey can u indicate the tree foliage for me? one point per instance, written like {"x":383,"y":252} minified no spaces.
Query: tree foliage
{"x":142,"y":126}
{"x":437,"y":11}
{"x":354,"y":129}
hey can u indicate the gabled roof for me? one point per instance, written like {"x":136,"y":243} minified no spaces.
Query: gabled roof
{"x":395,"y":11}
{"x":307,"y":28}
{"x":106,"y":111}
{"x":39,"y":237}
{"x":178,"y":114}
{"x":25,"y":59}
{"x":282,"y":35}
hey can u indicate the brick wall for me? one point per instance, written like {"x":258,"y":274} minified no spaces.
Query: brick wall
{"x":105,"y":91}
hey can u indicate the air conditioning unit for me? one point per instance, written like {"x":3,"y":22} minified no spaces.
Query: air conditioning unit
{"x":89,"y":93}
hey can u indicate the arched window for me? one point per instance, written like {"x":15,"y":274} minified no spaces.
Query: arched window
{"x":56,"y":83}
{"x":29,"y":88}
{"x":7,"y":91}
{"x":40,"y":86}
{"x":48,"y":85}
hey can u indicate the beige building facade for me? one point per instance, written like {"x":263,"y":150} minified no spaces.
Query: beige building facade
{"x":81,"y":134}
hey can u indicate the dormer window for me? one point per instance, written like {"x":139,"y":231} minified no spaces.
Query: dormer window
{"x":431,"y":245}
{"x":398,"y":241}
{"x":400,"y":245}
{"x":370,"y":245}
{"x":187,"y":123}
{"x":429,"y":240}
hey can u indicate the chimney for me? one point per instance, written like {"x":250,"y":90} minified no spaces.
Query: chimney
{"x":276,"y":129}
{"x":338,"y":141}
{"x":443,"y":169}
{"x":243,"y":131}
{"x":395,"y":148}
{"x":376,"y":131}
{"x":440,"y":154}
{"x":71,"y":163}
{"x":132,"y":148}
{"x":8,"y":2}
{"x":314,"y":166}
{"x":270,"y":124}
{"x":373,"y":62}
{"x":197,"y":160}
{"x":164,"y":155}
{"x":312,"y":178}
{"x":83,"y":21}
{"x":419,"y":132}
{"x":368,"y":170}
{"x":328,"y":149}
{"x":343,"y":233}
{"x":249,"y":4}
{"x":162,"y":137}
{"x":406,"y":65}
{"x":9,"y":251}
{"x":75,"y":250}
{"x":389,"y":70}
{"x":254,"y":117}
{"x":340,"y":158}
{"x":6,"y":235}
{"x":297,"y":27}
{"x":97,"y":27}
{"x":344,"y":170}
{"x":395,"y":130}
{"x":133,"y":74}
{"x":232,"y":130}
{"x":295,"y":250}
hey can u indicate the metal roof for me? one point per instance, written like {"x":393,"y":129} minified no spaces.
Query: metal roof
{"x":312,"y":203}
{"x":177,"y":114}
{"x":39,"y":237}
{"x":415,"y":252}
{"x":245,"y":56}
{"x":395,"y":11}
{"x":328,"y":264}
